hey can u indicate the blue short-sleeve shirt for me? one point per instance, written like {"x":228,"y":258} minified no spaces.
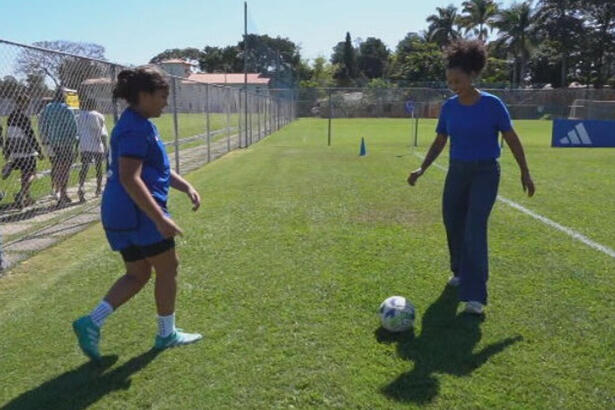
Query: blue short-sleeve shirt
{"x":474,"y":129}
{"x":134,"y":136}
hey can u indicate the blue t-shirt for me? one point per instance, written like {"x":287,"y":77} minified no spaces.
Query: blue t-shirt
{"x":134,"y":136}
{"x":473,"y":129}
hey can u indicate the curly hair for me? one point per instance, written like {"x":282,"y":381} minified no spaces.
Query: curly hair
{"x":469,"y":56}
{"x":132,"y":81}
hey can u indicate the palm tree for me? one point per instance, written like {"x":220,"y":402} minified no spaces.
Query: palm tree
{"x":478,"y":17}
{"x":559,"y":22}
{"x":517,"y":34}
{"x":443,"y":26}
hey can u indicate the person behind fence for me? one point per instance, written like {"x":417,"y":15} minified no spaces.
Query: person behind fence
{"x":21,"y":150}
{"x":92,"y":144}
{"x":58,"y":129}
{"x":472,"y":119}
{"x":134,"y":211}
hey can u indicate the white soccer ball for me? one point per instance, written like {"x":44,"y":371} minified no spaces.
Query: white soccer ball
{"x":397,"y":314}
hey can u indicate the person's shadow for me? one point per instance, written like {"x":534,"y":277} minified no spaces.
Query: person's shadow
{"x":83,"y":386}
{"x":445,"y":345}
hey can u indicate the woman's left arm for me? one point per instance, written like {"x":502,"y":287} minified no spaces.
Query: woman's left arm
{"x":184,"y":186}
{"x":512,"y":139}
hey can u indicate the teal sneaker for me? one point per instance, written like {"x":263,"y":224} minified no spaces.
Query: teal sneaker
{"x":177,"y":338}
{"x":88,"y":335}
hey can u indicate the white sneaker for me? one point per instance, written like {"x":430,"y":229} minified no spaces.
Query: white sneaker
{"x":454,"y":281}
{"x":476,"y":308}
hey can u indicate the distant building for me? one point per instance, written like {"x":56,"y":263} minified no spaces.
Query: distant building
{"x":190,"y":90}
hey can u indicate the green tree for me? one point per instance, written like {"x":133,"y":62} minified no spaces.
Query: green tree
{"x":373,"y":58}
{"x":424,"y":64}
{"x":599,"y":16}
{"x":344,"y":57}
{"x":478,"y":17}
{"x":443,"y":26}
{"x":560,"y":23}
{"x":221,"y":60}
{"x":516,"y":35}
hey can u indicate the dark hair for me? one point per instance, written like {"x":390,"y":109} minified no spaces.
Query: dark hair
{"x":467,"y":55}
{"x":132,"y":81}
{"x":88,"y":104}
{"x":58,"y":96}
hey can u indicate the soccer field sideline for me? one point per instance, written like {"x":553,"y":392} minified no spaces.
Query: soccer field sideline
{"x":568,"y":231}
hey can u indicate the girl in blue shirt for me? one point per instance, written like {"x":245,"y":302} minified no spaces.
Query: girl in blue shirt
{"x":134,"y":211}
{"x":472,"y":119}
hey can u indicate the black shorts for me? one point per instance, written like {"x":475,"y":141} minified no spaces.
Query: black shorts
{"x":26,"y":165}
{"x":95,"y":157}
{"x":136,"y":253}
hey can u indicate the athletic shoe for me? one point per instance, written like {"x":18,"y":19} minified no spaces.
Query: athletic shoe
{"x":177,"y":338}
{"x":64,"y":200}
{"x":475,"y":308}
{"x":454,"y":281}
{"x":88,"y":335}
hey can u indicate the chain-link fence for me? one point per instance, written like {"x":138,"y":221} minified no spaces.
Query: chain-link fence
{"x":56,"y":113}
{"x":424,"y":103}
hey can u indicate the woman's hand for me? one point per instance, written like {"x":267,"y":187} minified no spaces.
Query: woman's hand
{"x":168,"y":228}
{"x":414,"y":176}
{"x":195,"y":198}
{"x":527,"y":184}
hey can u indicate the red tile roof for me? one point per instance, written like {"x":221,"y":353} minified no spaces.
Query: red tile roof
{"x":176,"y":61}
{"x":230,"y":78}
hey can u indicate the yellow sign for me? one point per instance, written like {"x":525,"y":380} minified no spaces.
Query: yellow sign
{"x":72,"y":98}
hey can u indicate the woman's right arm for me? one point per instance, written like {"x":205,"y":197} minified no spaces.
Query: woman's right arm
{"x":434,"y":151}
{"x":130,"y":178}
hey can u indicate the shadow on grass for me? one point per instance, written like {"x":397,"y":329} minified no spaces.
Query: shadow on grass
{"x":83,"y":386}
{"x":445,"y":345}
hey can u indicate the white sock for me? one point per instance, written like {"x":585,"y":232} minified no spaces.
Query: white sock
{"x":100,"y":313}
{"x":166,"y":325}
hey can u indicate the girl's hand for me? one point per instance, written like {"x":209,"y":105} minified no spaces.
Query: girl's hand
{"x":527,"y":184}
{"x":168,"y":228}
{"x":414,"y":176}
{"x":195,"y":198}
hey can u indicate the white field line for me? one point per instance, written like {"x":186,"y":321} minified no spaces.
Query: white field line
{"x":568,"y":231}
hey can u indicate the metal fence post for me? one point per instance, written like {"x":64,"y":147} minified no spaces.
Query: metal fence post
{"x":207,"y":105}
{"x":113,"y":101}
{"x":175,"y":125}
{"x":251,"y":105}
{"x":330,"y":116}
{"x":239,"y":111}
{"x":227,"y":108}
{"x":258,"y":114}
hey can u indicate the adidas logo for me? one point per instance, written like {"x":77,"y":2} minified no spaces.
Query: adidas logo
{"x":577,"y":136}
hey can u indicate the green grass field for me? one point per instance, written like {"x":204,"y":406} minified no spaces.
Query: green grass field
{"x":283,"y":270}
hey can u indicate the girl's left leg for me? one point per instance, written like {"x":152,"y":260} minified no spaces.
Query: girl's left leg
{"x":99,"y":172}
{"x":88,"y":327}
{"x":475,"y":257}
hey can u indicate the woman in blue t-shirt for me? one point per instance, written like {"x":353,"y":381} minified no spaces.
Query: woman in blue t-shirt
{"x":134,"y":211}
{"x":472,"y":119}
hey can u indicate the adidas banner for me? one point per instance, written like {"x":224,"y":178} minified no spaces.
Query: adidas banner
{"x":581,"y":133}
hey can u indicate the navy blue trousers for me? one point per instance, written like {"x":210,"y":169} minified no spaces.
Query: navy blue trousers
{"x":470,"y":191}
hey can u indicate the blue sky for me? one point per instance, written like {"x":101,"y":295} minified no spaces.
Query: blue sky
{"x":134,"y":31}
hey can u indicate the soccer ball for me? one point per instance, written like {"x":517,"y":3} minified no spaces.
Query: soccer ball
{"x":397,"y":314}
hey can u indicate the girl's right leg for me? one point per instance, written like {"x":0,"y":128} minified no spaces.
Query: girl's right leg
{"x":454,"y":211}
{"x":83,"y":173}
{"x":166,"y":265}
